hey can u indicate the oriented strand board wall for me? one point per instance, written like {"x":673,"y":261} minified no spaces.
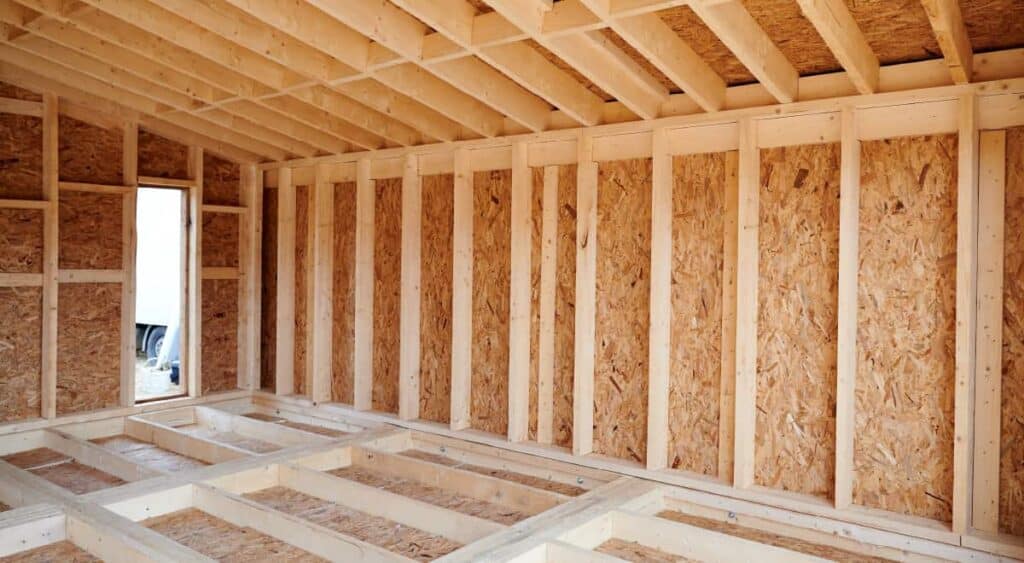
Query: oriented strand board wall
{"x":88,"y":346}
{"x":89,"y":153}
{"x":162,"y":157}
{"x":21,"y":241}
{"x":268,"y":303}
{"x":387,"y":276}
{"x":797,"y":319}
{"x":436,"y":298}
{"x":698,"y":238}
{"x":221,"y":181}
{"x":623,"y":308}
{"x":20,"y":352}
{"x":220,"y":335}
{"x":302,"y":214}
{"x":90,"y":231}
{"x":565,"y":307}
{"x":903,"y":446}
{"x":343,"y":330}
{"x":1011,"y":472}
{"x":21,"y":157}
{"x":220,"y":240}
{"x":492,"y":223}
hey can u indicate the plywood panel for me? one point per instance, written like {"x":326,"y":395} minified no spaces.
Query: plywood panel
{"x":89,"y":153}
{"x":994,"y":24}
{"x":1011,"y":471}
{"x":220,"y":335}
{"x":221,"y":181}
{"x":162,"y":157}
{"x":343,"y":361}
{"x":565,"y":307}
{"x":492,"y":223}
{"x":898,"y":31}
{"x":21,"y":157}
{"x":90,"y":230}
{"x":387,"y":276}
{"x":797,"y":319}
{"x":223,"y":541}
{"x":220,"y":240}
{"x":903,"y":445}
{"x":698,"y":238}
{"x":268,"y":303}
{"x":302,"y":278}
{"x":20,"y":347}
{"x":623,"y":308}
{"x":88,"y":346}
{"x":21,"y":241}
{"x":436,"y":298}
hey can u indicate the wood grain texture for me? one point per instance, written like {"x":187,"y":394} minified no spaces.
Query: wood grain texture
{"x":220,"y":335}
{"x":302,"y":256}
{"x":221,"y":181}
{"x":797,"y":319}
{"x":268,"y":302}
{"x":794,"y":35}
{"x":21,"y":241}
{"x":162,"y":158}
{"x":565,"y":307}
{"x":21,"y":157}
{"x":88,"y":347}
{"x":492,"y":223}
{"x":623,"y":302}
{"x":12,"y":91}
{"x":223,"y":541}
{"x":89,"y":153}
{"x":698,"y":209}
{"x":536,"y":234}
{"x":387,"y":268}
{"x":220,"y":240}
{"x":903,"y":445}
{"x":436,"y":297}
{"x":20,"y":337}
{"x":1011,"y":470}
{"x":705,"y":43}
{"x":898,"y":31}
{"x":343,"y":293}
{"x":90,"y":231}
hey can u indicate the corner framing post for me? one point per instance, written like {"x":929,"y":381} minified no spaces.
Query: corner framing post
{"x":51,"y":241}
{"x":409,"y":316}
{"x":130,"y":177}
{"x":195,"y":273}
{"x":520,"y":296}
{"x":362,"y":389}
{"x":323,"y":285}
{"x":586,"y":297}
{"x":284,"y":367}
{"x":462,"y":291}
{"x":661,"y":302}
{"x":746,"y":304}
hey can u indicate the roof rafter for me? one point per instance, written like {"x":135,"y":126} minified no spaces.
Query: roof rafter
{"x":948,"y":24}
{"x":843,"y":36}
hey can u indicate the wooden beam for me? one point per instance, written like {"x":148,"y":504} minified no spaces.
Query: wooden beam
{"x":462,"y":291}
{"x":844,"y":38}
{"x":194,"y":342}
{"x":93,"y":276}
{"x":948,"y":25}
{"x":21,"y":280}
{"x":323,"y":283}
{"x":130,"y":169}
{"x":21,"y":107}
{"x":727,"y":392}
{"x":846,"y":345}
{"x":364,"y":282}
{"x":168,"y":438}
{"x":48,"y":393}
{"x":24,"y":204}
{"x":409,"y":311}
{"x":167,"y":183}
{"x":520,"y":298}
{"x":661,"y":303}
{"x":111,"y":537}
{"x":988,"y":394}
{"x":586,"y":298}
{"x":746,"y":305}
{"x":548,"y":290}
{"x":966,"y":311}
{"x":285,"y":352}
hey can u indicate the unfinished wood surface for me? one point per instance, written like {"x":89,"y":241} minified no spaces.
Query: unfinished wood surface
{"x":897,"y":30}
{"x":220,"y":335}
{"x":62,"y":551}
{"x":268,"y":293}
{"x":303,"y":267}
{"x":343,"y":293}
{"x":794,"y":35}
{"x":565,"y":308}
{"x":162,"y":158}
{"x":637,"y":552}
{"x":797,"y":312}
{"x":903,"y":445}
{"x":221,"y":181}
{"x":492,"y":219}
{"x":89,"y":153}
{"x":505,"y":475}
{"x":220,"y":240}
{"x":222,"y":540}
{"x":536,"y":246}
{"x":1011,"y":473}
{"x":436,"y":297}
{"x":90,"y":230}
{"x":705,"y":43}
{"x":698,"y":237}
{"x":622,"y":320}
{"x":20,"y":352}
{"x":88,"y":347}
{"x":150,"y":455}
{"x":230,"y":438}
{"x":21,"y":152}
{"x":21,"y":241}
{"x":387,"y":267}
{"x":404,"y":540}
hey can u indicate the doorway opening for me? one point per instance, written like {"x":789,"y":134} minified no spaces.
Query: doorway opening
{"x":160,"y":270}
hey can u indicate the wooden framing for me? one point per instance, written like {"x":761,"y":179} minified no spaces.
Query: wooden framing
{"x":409,"y":309}
{"x":519,"y":295}
{"x":48,"y":393}
{"x":285,"y":356}
{"x":586,"y":290}
{"x":462,"y":291}
{"x":546,"y":337}
{"x":322,"y":281}
{"x":661,"y":303}
{"x":194,"y":336}
{"x":130,"y":165}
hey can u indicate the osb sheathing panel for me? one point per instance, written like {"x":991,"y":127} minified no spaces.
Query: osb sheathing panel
{"x":12,"y":91}
{"x":89,"y":153}
{"x":492,"y":224}
{"x":90,"y":230}
{"x":698,"y":253}
{"x":794,"y":35}
{"x":220,"y":335}
{"x":436,"y":298}
{"x":20,"y":350}
{"x":220,"y":240}
{"x":88,"y":346}
{"x":692,"y":30}
{"x":387,"y":289}
{"x":623,"y":308}
{"x":21,"y":241}
{"x":343,"y":295}
{"x":221,"y":181}
{"x":903,"y":445}
{"x":223,"y":541}
{"x":21,"y":157}
{"x":898,"y":31}
{"x":536,"y":234}
{"x":162,"y":157}
{"x":641,"y":60}
{"x":993,"y":24}
{"x":268,"y":303}
{"x":565,"y":307}
{"x":301,"y":279}
{"x":1011,"y":472}
{"x":797,"y":293}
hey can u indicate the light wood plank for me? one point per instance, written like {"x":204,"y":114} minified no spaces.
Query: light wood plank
{"x":23,"y":204}
{"x":21,"y":280}
{"x":285,"y":352}
{"x":48,"y":396}
{"x":586,"y":298}
{"x":746,"y":305}
{"x":661,"y":303}
{"x":409,"y":316}
{"x":548,"y":291}
{"x":250,"y":268}
{"x":323,"y":284}
{"x":194,"y":342}
{"x":727,"y":391}
{"x":363,"y":350}
{"x":462,"y":291}
{"x":130,"y":173}
{"x":520,"y":297}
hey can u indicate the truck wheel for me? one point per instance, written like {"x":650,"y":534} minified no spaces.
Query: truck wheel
{"x":154,"y":341}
